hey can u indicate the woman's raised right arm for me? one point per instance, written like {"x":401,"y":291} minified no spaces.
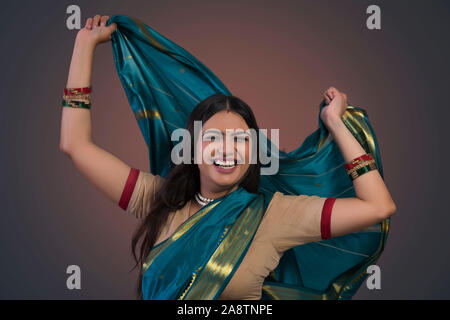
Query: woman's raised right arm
{"x":107,"y":172}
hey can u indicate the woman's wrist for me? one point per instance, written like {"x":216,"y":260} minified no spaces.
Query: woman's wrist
{"x":334,"y":123}
{"x":85,"y":41}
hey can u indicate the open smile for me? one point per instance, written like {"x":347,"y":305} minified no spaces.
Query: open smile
{"x":225,"y":166}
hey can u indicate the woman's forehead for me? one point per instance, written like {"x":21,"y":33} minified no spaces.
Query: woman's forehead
{"x":223,"y":120}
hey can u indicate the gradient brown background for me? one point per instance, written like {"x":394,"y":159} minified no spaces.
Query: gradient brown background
{"x":278,"y":56}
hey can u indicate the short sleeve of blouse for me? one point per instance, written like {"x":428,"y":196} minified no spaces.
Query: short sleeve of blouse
{"x":139,"y":192}
{"x":295,"y":220}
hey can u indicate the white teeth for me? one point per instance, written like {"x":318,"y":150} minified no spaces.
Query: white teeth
{"x":225,"y":164}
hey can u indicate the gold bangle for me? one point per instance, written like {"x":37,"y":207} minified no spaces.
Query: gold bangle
{"x":81,"y":98}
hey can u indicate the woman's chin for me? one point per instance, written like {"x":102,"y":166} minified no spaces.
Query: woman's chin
{"x":226,"y":184}
{"x":225,"y":180}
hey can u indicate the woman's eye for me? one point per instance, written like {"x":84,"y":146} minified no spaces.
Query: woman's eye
{"x":242,"y":139}
{"x":209,"y":137}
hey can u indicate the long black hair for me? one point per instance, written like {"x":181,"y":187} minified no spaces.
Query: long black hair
{"x":183,"y":180}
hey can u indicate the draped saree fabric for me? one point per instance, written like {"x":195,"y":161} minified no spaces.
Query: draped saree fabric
{"x":212,"y":242}
{"x":163,"y":83}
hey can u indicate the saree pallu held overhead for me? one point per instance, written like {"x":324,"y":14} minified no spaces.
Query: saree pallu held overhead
{"x":163,"y":83}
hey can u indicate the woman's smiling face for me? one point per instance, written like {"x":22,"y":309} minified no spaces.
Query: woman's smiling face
{"x":225,"y":145}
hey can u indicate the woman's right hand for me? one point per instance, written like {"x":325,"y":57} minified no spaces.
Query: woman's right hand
{"x":96,"y":31}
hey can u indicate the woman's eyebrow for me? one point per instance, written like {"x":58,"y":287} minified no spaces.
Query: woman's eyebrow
{"x":212,"y":131}
{"x":234,"y":133}
{"x":244,"y":133}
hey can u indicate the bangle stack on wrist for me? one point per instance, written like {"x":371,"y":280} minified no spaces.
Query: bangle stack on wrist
{"x":360,"y":165}
{"x":77,"y":97}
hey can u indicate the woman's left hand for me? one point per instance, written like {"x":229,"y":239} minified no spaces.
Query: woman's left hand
{"x":336,"y":105}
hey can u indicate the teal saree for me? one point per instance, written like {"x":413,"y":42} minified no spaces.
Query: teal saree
{"x":163,"y":83}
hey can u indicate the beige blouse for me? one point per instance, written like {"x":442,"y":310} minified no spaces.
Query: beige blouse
{"x":289,"y":221}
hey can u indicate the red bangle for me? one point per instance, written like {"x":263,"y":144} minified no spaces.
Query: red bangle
{"x":68,"y":91}
{"x":357,"y":161}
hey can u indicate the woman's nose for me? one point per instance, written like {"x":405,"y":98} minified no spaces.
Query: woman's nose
{"x":227,"y":147}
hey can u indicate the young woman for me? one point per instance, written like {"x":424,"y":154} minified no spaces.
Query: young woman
{"x":207,"y":233}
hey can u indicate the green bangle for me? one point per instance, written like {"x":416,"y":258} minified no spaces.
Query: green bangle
{"x":76,"y":104}
{"x":361,"y":171}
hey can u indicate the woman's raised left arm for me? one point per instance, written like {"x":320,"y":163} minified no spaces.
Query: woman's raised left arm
{"x":373,"y":202}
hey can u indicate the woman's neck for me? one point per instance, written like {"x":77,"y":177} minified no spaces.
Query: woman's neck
{"x":208,"y":193}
